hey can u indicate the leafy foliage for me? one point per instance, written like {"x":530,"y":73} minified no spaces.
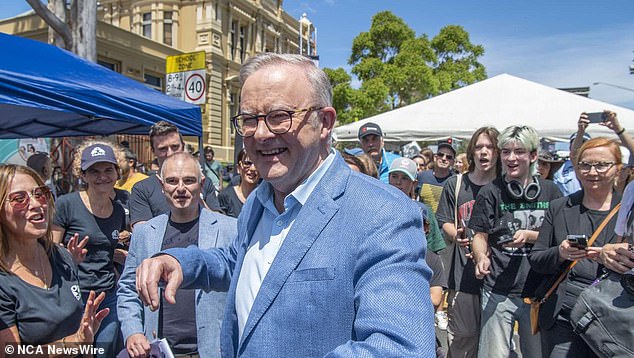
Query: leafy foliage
{"x":396,"y":68}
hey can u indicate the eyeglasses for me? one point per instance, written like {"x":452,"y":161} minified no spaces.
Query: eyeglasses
{"x":444,"y":155}
{"x":278,"y":121}
{"x":21,"y":199}
{"x":600,"y":167}
{"x":246,"y":164}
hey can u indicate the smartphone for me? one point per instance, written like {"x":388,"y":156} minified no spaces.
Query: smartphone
{"x":578,"y":241}
{"x":505,"y":239}
{"x":596,"y":117}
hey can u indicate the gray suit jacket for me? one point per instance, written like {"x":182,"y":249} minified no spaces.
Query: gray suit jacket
{"x":215,"y":230}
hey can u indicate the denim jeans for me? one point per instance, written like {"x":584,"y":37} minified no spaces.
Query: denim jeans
{"x":499,"y":314}
{"x":109,"y":334}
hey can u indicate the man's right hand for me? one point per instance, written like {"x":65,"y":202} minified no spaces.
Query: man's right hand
{"x":150,"y":272}
{"x":137,"y":346}
{"x":482,"y":267}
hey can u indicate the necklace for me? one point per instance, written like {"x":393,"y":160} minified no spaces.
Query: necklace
{"x":39,"y":272}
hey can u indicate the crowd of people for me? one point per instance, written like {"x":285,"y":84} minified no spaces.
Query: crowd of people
{"x":309,"y":251}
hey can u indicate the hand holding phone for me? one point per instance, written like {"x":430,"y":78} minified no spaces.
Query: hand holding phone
{"x":578,"y":241}
{"x":596,"y":117}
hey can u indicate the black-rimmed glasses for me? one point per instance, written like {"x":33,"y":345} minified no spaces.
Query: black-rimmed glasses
{"x":21,"y":199}
{"x":600,"y":167}
{"x":278,"y":121}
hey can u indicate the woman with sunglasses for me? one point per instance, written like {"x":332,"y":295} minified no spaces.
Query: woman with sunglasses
{"x":40,"y":298}
{"x":232,"y":198}
{"x":93,"y":214}
{"x":569,"y":223}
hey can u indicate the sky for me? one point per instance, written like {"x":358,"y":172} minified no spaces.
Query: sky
{"x":558,"y":43}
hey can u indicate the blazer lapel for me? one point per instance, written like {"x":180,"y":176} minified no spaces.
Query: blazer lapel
{"x":308,"y":225}
{"x":159,"y":227}
{"x":207,"y":230}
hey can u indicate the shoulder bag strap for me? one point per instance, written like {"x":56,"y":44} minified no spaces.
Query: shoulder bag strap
{"x":590,"y":242}
{"x":455,"y":201}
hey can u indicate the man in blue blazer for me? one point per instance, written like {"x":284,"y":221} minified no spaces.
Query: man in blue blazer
{"x":196,"y":327}
{"x":328,"y":262}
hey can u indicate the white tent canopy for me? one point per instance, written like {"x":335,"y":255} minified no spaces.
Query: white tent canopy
{"x":499,"y":101}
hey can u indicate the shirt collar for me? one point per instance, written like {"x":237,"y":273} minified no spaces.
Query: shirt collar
{"x":301,"y":194}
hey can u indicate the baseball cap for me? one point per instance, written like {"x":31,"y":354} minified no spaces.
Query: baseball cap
{"x":586,"y":136}
{"x":404,"y":165}
{"x":370,"y":128}
{"x":549,"y":157}
{"x":97,"y":153}
{"x":446,"y":144}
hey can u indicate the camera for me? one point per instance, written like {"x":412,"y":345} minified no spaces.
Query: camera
{"x":596,"y":117}
{"x":578,"y":241}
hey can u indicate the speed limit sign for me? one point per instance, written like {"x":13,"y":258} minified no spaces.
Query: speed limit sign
{"x":195,"y":87}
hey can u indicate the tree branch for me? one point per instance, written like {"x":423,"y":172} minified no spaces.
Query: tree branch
{"x":53,"y":21}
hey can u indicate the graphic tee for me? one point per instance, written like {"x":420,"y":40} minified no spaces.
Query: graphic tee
{"x":43,"y":315}
{"x":430,"y":188}
{"x":96,"y":272}
{"x":496,"y":213}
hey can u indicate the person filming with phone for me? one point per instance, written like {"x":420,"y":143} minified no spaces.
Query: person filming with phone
{"x":574,"y":230}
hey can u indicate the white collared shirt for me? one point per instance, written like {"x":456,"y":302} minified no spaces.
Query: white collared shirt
{"x":268,"y":237}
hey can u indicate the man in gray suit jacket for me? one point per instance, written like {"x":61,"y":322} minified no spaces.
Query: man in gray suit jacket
{"x":193,"y":325}
{"x":328,"y":262}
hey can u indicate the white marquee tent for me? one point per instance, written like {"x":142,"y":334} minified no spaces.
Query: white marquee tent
{"x":499,"y":101}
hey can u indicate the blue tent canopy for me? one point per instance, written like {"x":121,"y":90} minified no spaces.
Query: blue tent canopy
{"x":46,"y":91}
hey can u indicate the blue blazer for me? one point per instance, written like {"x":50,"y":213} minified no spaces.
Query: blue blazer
{"x":215,"y":230}
{"x":350,"y":279}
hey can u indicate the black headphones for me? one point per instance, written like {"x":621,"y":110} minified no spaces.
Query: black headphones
{"x":529,"y":193}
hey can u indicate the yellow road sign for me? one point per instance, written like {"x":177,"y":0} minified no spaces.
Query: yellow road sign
{"x":185,"y":62}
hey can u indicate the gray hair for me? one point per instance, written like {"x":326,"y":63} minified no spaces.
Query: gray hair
{"x":524,"y":136}
{"x":320,"y":84}
{"x":184,"y":156}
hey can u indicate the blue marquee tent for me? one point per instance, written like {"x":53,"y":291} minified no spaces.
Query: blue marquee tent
{"x":46,"y":91}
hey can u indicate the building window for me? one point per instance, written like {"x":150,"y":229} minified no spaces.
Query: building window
{"x":147,"y":24}
{"x":113,"y":66}
{"x":152,"y":81}
{"x":243,"y":30}
{"x":167,"y":27}
{"x":234,"y":26}
{"x":218,"y":15}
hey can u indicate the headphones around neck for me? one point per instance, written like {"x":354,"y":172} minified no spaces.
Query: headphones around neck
{"x":529,"y":193}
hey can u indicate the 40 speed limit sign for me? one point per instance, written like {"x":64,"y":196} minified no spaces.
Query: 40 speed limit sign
{"x":185,"y":77}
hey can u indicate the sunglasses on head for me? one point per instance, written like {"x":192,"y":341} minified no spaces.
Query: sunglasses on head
{"x":444,"y":155}
{"x":21,"y":199}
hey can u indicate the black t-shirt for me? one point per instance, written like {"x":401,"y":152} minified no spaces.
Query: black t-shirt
{"x":178,"y":321}
{"x":148,"y":201}
{"x":498,"y":215}
{"x":96,"y":272}
{"x":229,"y":202}
{"x":43,"y":315}
{"x":461,"y":275}
{"x":437,"y":278}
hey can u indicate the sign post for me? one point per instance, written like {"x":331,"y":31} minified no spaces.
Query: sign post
{"x":185,"y":77}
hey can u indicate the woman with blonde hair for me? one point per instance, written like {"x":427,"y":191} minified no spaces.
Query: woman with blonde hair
{"x":93,"y":213}
{"x":40,"y":298}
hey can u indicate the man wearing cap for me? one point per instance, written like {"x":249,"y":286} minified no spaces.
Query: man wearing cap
{"x":431,"y":182}
{"x":371,"y":138}
{"x":129,"y":175}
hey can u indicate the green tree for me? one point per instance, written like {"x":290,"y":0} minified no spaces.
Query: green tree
{"x":396,"y":68}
